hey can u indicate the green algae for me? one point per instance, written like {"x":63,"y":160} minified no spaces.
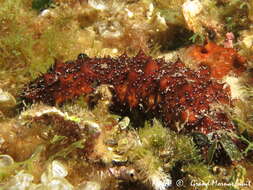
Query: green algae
{"x":41,"y":4}
{"x":27,"y":165}
{"x":166,"y":145}
{"x":29,"y":49}
{"x":153,"y":136}
{"x":63,"y":153}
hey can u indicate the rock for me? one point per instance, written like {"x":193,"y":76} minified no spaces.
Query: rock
{"x":93,"y":127}
{"x":124,"y":123}
{"x":6,"y":160}
{"x":59,"y":184}
{"x":7,"y":101}
{"x":21,"y":181}
{"x":90,"y":185}
{"x":54,"y":170}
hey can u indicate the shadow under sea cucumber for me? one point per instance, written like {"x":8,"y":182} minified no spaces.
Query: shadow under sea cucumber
{"x":171,"y":91}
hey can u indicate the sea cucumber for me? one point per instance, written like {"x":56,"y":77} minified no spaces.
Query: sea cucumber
{"x":180,"y":96}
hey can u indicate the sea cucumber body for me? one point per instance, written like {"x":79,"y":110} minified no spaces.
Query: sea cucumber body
{"x":173,"y":92}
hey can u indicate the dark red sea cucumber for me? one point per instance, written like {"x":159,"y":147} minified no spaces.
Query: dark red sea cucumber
{"x":173,"y":92}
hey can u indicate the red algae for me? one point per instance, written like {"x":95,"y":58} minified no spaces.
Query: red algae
{"x":171,"y":91}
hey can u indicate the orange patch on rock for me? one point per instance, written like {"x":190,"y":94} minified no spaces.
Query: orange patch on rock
{"x":221,"y":60}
